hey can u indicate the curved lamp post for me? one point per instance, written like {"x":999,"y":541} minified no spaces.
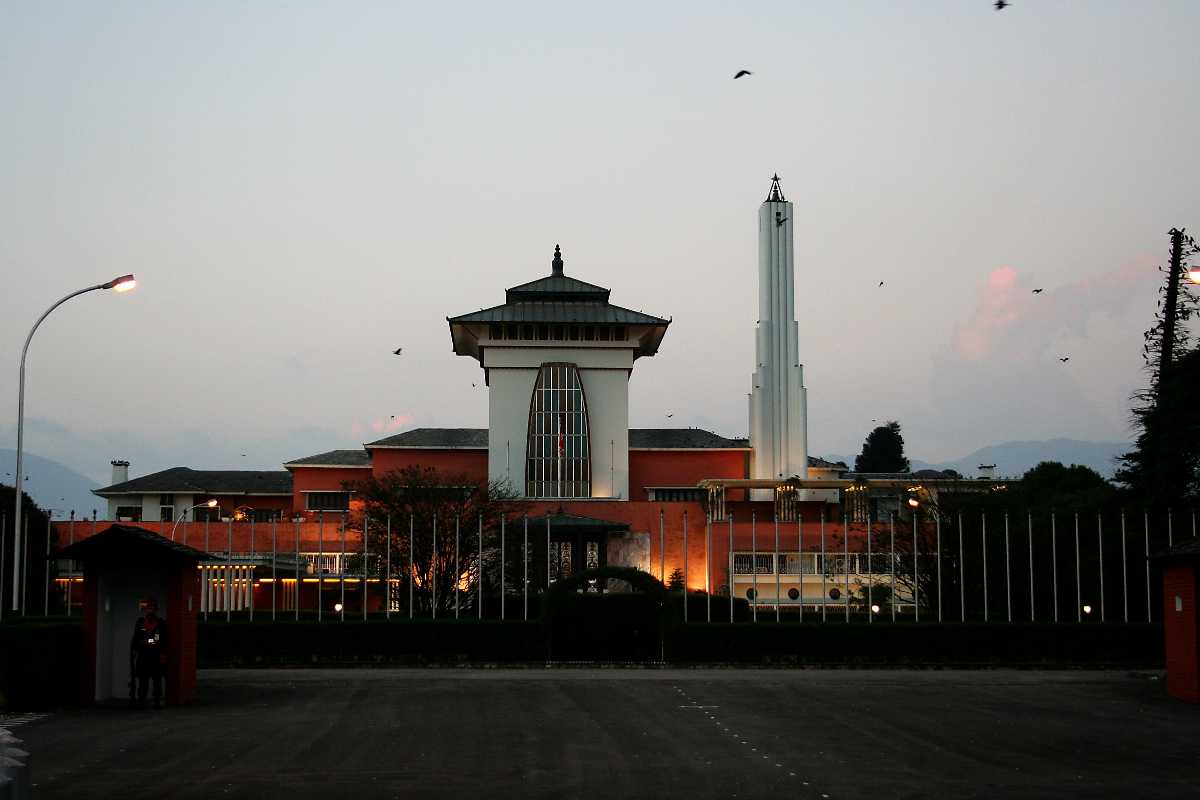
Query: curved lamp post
{"x":122,"y":283}
{"x":209,"y":504}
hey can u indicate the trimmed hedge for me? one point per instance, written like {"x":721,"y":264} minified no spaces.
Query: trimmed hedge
{"x":412,"y":642}
{"x":923,"y":644}
{"x":40,"y":665}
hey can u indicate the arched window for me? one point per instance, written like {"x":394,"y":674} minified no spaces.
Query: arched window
{"x":558,"y":462}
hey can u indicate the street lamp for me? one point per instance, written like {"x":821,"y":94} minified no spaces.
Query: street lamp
{"x":208,"y":504}
{"x":122,"y":283}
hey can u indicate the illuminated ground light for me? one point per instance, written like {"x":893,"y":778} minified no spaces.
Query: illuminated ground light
{"x":1087,"y":609}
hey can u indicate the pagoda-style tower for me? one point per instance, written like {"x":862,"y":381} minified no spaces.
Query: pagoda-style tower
{"x":778,"y":406}
{"x":557,"y":356}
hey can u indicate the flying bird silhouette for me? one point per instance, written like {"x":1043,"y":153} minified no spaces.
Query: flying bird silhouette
{"x":1065,"y":359}
{"x":742,"y":73}
{"x":1038,"y":291}
{"x":670,"y":415}
{"x":881,"y":283}
{"x":779,"y":222}
{"x":1001,"y":5}
{"x":397,"y":351}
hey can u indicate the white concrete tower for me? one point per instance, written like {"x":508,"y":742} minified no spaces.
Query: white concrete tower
{"x":778,"y":405}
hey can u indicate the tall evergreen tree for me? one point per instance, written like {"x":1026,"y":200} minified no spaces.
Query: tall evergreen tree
{"x":883,"y":451}
{"x":1162,"y":467}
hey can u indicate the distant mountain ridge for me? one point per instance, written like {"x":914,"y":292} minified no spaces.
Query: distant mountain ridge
{"x":1013,"y":459}
{"x":53,"y":485}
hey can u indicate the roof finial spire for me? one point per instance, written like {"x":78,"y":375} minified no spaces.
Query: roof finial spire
{"x":557,"y":264}
{"x":776,"y":193}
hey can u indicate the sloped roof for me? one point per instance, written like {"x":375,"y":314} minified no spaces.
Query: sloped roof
{"x":557,"y":287}
{"x":560,"y":519}
{"x":334,"y":458}
{"x":437,"y":438}
{"x":185,"y":480}
{"x":559,"y":311}
{"x":126,"y":544}
{"x":639,"y":439}
{"x":821,"y":463}
{"x":681,"y":439}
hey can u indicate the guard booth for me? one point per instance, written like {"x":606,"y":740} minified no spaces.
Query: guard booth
{"x":121,"y":565}
{"x":1181,"y":624}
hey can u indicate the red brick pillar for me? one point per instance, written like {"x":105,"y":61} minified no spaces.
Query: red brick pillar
{"x":183,"y":608}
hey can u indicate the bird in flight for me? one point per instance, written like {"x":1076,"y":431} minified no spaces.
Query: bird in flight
{"x":1038,"y":291}
{"x":670,"y":415}
{"x":393,"y":416}
{"x":397,"y":351}
{"x":779,"y":222}
{"x":472,"y":386}
{"x":1001,"y":4}
{"x":881,"y":283}
{"x":1065,"y":359}
{"x":742,"y":73}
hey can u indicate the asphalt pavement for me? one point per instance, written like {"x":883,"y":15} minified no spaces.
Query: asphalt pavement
{"x":617,"y":733}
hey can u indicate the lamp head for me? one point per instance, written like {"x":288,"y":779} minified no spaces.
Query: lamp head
{"x":121,"y":284}
{"x":211,"y":504}
{"x":1194,"y":274}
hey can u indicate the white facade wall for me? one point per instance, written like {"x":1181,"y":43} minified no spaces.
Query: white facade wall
{"x":778,"y":402}
{"x":604,"y":372}
{"x":150,"y":505}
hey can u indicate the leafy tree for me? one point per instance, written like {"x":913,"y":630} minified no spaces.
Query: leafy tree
{"x":883,"y":451}
{"x":1163,"y":466}
{"x":675,"y":580}
{"x":427,"y":500}
{"x":1051,"y":485}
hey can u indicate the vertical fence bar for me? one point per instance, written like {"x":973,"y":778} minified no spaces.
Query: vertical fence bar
{"x":502,"y":592}
{"x":753,"y":569}
{"x":548,"y":576}
{"x":207,"y":572}
{"x":296,"y":529}
{"x":708,"y":567}
{"x":846,"y":560}
{"x":1054,"y":560}
{"x":685,"y":567}
{"x":433,"y":559}
{"x":962,"y":573}
{"x":46,"y":568}
{"x":479,"y":573}
{"x":1100,"y":542}
{"x":870,"y":574}
{"x":1029,"y":530}
{"x":824,"y":593}
{"x":662,"y":550}
{"x":916,"y":568}
{"x":274,"y":570}
{"x":253,"y":567}
{"x":365,"y":555}
{"x":70,"y":570}
{"x":412,"y":575}
{"x":778,"y":585}
{"x":1170,"y":530}
{"x":892,"y":559}
{"x":342,"y":571}
{"x":800,"y":550}
{"x":1078,"y":587}
{"x":938,"y":522}
{"x":320,"y":563}
{"x":1146,"y":529}
{"x":1124,"y":570}
{"x":983,"y":549}
{"x":731,"y":568}
{"x":228,"y":568}
{"x":525,"y":570}
{"x":387,"y":570}
{"x":457,"y":568}
{"x":1007,"y":570}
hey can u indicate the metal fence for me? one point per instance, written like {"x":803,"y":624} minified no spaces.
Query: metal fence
{"x":966,"y":566}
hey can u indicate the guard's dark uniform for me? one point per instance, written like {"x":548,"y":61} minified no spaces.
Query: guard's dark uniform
{"x":149,"y":651}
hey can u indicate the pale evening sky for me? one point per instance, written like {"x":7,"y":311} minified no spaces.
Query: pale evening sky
{"x":302,"y":188}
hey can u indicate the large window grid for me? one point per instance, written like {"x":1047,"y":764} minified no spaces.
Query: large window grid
{"x":559,"y":457}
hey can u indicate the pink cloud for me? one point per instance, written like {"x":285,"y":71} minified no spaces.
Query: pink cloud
{"x":998,"y":309}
